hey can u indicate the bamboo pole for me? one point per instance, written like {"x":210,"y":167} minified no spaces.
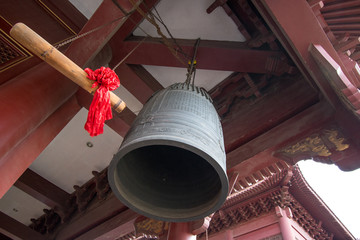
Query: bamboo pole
{"x":44,"y":50}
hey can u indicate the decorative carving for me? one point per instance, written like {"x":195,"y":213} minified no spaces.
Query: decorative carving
{"x":332,"y":136}
{"x":10,"y":52}
{"x":237,"y":86}
{"x":275,"y":237}
{"x":84,"y":195}
{"x":312,"y":145}
{"x":246,"y":210}
{"x":150,"y":227}
{"x":101,"y":184}
{"x":321,"y":147}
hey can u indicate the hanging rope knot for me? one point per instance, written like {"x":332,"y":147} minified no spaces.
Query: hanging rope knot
{"x":100,"y":108}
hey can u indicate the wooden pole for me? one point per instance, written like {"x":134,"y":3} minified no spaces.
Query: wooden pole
{"x":44,"y":50}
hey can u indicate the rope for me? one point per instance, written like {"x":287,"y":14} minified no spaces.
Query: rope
{"x":192,"y":64}
{"x":151,"y":19}
{"x":158,"y":17}
{"x":57,"y":46}
{"x":117,"y":65}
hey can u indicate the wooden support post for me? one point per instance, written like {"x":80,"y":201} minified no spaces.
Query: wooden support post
{"x":44,"y":50}
{"x":180,"y":231}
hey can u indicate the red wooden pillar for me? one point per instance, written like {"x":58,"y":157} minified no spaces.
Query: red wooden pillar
{"x":180,"y":231}
{"x":285,"y":224}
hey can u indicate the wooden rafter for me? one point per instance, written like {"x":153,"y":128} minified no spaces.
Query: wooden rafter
{"x":16,"y":230}
{"x":41,"y":189}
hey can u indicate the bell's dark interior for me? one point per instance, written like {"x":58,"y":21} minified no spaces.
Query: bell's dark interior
{"x":168,"y":177}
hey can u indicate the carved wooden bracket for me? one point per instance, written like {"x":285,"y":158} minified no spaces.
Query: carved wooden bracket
{"x":200,"y":226}
{"x":150,"y":228}
{"x":322,"y":147}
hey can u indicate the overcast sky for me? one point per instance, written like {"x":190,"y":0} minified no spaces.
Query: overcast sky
{"x":339,"y":190}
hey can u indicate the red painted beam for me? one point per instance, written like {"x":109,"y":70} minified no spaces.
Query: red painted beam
{"x":84,"y":49}
{"x":16,"y":161}
{"x":16,"y":230}
{"x":211,"y":55}
{"x":23,"y":106}
{"x":133,"y":83}
{"x":42,"y":190}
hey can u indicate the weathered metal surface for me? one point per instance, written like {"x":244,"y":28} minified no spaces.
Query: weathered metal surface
{"x":171,"y":165}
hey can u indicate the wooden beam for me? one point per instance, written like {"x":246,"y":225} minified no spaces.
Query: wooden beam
{"x":119,"y":225}
{"x":41,"y":189}
{"x":133,"y":83}
{"x":142,"y":73}
{"x":211,"y":55}
{"x":302,"y":124}
{"x":99,"y":212}
{"x":83,"y":50}
{"x":16,"y":230}
{"x":16,"y":161}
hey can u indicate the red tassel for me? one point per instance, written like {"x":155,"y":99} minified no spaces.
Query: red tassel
{"x":100,"y":108}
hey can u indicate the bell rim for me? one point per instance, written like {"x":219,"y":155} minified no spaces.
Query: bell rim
{"x":123,"y":150}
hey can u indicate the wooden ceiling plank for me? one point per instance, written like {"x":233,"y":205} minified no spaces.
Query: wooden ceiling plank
{"x":41,"y":189}
{"x":341,"y":12}
{"x":341,"y":5}
{"x":343,"y":20}
{"x":301,"y":124}
{"x":16,"y":230}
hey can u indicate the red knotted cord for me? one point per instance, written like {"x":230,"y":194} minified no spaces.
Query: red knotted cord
{"x":100,"y":108}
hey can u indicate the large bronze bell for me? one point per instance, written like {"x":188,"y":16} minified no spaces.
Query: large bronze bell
{"x":171,"y":165}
